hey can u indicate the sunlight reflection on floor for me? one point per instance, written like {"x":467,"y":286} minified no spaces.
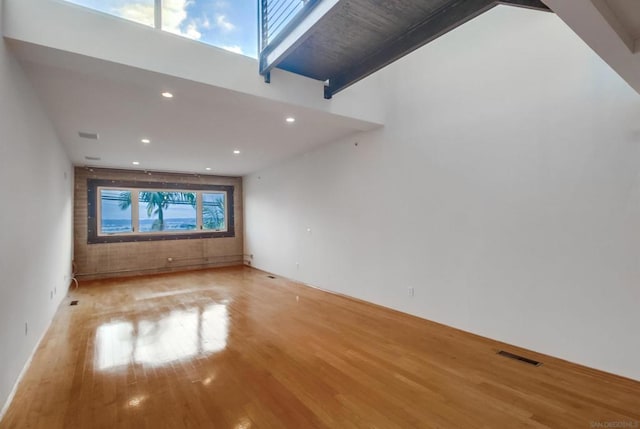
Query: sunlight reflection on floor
{"x":181,"y":334}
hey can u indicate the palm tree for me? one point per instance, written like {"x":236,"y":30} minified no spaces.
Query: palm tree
{"x":158,"y":202}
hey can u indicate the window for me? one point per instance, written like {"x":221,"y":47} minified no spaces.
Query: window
{"x":115,"y":211}
{"x":213,"y":211}
{"x":230,"y":25}
{"x":167,"y":211}
{"x":157,"y":211}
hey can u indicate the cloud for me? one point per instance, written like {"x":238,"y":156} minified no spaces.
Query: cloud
{"x":138,"y":12}
{"x":221,"y":4}
{"x":173,"y":13}
{"x":192,"y":31}
{"x":235,"y":49}
{"x":174,"y":19}
{"x":224,"y":24}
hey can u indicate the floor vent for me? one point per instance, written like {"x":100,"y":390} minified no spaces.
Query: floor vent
{"x":74,"y":303}
{"x":520,"y":358}
{"x":272,"y":277}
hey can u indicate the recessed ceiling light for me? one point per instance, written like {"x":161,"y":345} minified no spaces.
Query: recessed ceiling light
{"x":236,"y":152}
{"x":135,"y":163}
{"x":208,"y":168}
{"x":290,"y":119}
{"x":167,"y":94}
{"x":145,"y":141}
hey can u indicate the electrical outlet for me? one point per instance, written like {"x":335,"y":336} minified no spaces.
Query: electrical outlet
{"x":26,"y":328}
{"x":411,"y":291}
{"x":297,"y":265}
{"x":50,"y":294}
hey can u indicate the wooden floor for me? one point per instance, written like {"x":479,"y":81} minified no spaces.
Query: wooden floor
{"x":232,"y":348}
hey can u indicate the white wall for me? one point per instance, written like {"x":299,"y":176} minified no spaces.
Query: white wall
{"x":35,"y":221}
{"x":504,"y":188}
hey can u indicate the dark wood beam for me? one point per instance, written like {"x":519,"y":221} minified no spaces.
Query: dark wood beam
{"x":529,"y":4}
{"x":446,"y":19}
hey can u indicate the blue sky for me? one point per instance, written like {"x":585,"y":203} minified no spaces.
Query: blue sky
{"x":111,"y":210}
{"x":229,"y":24}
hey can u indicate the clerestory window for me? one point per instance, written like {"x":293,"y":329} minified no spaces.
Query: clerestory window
{"x":230,"y":25}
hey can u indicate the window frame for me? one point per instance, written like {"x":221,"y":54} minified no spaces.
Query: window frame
{"x":95,"y":236}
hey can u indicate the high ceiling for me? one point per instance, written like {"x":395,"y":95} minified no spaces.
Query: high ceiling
{"x":198,"y":129}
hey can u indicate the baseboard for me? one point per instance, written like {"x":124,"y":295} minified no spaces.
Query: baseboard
{"x":157,"y":270}
{"x":26,"y":366}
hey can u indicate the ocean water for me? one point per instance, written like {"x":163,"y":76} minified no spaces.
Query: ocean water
{"x":115,"y":226}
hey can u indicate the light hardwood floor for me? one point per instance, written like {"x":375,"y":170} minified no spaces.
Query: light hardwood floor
{"x":232,"y":348}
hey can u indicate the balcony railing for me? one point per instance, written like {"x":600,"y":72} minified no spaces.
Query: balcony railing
{"x":277,"y":18}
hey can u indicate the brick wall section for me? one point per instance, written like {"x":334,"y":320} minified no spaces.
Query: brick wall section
{"x":126,"y":259}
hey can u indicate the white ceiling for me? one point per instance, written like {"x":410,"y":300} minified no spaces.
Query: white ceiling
{"x":199,"y":128}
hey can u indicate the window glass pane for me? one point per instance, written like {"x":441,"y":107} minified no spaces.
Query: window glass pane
{"x":167,"y":211}
{"x":213,"y":211}
{"x":141,"y":11}
{"x":115,"y":211}
{"x":230,"y":25}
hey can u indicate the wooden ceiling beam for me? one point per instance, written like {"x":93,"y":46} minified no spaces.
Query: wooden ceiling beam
{"x":456,"y":13}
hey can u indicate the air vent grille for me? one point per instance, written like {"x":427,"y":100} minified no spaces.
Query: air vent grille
{"x":90,"y":136}
{"x":520,"y":358}
{"x":74,"y":303}
{"x":92,"y":158}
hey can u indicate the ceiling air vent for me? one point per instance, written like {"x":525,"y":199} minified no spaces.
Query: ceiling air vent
{"x":90,"y":136}
{"x":92,"y":158}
